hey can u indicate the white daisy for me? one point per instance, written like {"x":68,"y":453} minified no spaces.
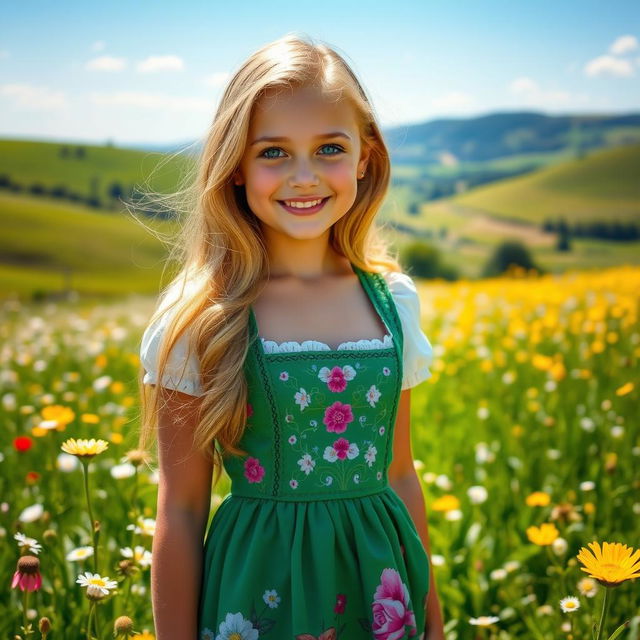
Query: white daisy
{"x":235,"y":627}
{"x":79,"y":553}
{"x":569,"y":604}
{"x":293,"y":483}
{"x":25,"y":541}
{"x":207,"y":634}
{"x":303,"y":399}
{"x":95,"y":580}
{"x":271,"y":597}
{"x":145,"y":526}
{"x":292,"y":439}
{"x":307,"y":463}
{"x":284,"y":376}
{"x":483,"y":621}
{"x":141,"y":555}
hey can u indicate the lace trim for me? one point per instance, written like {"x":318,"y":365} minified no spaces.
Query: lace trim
{"x":271,"y":346}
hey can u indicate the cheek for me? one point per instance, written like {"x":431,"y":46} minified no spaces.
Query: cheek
{"x":341,"y":177}
{"x":263,"y":181}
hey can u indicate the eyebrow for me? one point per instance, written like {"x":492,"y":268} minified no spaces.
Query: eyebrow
{"x":333,"y":134}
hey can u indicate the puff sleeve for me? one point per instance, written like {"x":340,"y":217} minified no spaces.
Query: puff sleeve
{"x":182,"y":370}
{"x":417,"y":349}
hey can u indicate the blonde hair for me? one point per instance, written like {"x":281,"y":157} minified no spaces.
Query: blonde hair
{"x":222,"y":251}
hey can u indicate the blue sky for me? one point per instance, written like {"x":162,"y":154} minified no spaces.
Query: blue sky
{"x":152,"y":72}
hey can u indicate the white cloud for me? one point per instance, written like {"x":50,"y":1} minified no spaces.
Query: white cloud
{"x":158,"y":102}
{"x":608,"y":65}
{"x":98,"y":45}
{"x":217,"y":79}
{"x":623,"y":45}
{"x":106,"y":63}
{"x":524,"y":85}
{"x":530,"y":93}
{"x":452,"y":101}
{"x":34,"y":98}
{"x":160,"y":63}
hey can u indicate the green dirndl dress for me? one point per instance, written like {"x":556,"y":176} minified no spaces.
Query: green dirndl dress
{"x":312,"y":542}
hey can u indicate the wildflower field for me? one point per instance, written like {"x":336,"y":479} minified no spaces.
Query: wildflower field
{"x":525,"y":439}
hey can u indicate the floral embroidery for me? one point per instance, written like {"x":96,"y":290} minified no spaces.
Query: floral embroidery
{"x":236,"y":627}
{"x":390,"y":607}
{"x":337,"y":377}
{"x":271,"y":597}
{"x":292,"y":439}
{"x":373,"y":395}
{"x":253,"y":470}
{"x":337,"y":417}
{"x":303,"y":399}
{"x":307,"y":463}
{"x":207,"y":634}
{"x":386,"y":371}
{"x":331,"y":633}
{"x":370,"y":455}
{"x":284,"y":376}
{"x":293,"y":483}
{"x":249,"y":409}
{"x":341,"y":601}
{"x":341,"y":449}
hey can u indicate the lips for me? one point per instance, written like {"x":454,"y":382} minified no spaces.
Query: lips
{"x":303,"y":211}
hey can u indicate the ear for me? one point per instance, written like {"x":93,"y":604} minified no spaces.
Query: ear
{"x":237,"y":178}
{"x":364,"y":159}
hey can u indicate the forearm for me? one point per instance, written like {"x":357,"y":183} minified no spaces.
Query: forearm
{"x":409,"y":490}
{"x":176,"y":572}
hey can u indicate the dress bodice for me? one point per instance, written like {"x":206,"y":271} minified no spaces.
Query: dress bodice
{"x":320,"y":421}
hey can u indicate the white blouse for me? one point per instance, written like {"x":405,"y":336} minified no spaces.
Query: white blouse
{"x":182,"y":371}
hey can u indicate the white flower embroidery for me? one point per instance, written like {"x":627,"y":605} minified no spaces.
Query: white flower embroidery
{"x":329,"y":480}
{"x":356,"y":478}
{"x":348,"y":372}
{"x":284,"y":376}
{"x":235,"y":627}
{"x":331,"y":454}
{"x":381,"y":431}
{"x":373,"y":395}
{"x":292,"y":439}
{"x":370,"y":455}
{"x":303,"y":399}
{"x":386,"y":371}
{"x":293,"y":483}
{"x":271,"y":597}
{"x":379,"y":475}
{"x":307,"y":463}
{"x":207,"y":634}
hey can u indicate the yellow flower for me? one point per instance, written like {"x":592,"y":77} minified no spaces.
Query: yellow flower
{"x":57,"y":413}
{"x":538,"y":499}
{"x":446,"y":503}
{"x":84,"y":448}
{"x":612,"y":565}
{"x":624,"y":389}
{"x":90,"y":418}
{"x":543,"y":535}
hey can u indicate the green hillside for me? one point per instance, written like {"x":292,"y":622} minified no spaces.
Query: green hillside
{"x":45,"y":243}
{"x":603,"y":185}
{"x":88,"y":169}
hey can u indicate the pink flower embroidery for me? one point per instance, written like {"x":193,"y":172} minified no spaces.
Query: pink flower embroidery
{"x":340,"y":450}
{"x":341,"y":601}
{"x":337,"y":417}
{"x":391,"y":608}
{"x":253,"y":470}
{"x":337,"y":377}
{"x":249,"y":410}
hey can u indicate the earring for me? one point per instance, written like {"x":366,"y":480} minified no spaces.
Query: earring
{"x":362,"y":175}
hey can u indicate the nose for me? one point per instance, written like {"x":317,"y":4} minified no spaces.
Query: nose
{"x":303,"y":175}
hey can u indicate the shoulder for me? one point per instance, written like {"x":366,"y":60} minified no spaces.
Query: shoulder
{"x":417,"y":348}
{"x":182,"y":370}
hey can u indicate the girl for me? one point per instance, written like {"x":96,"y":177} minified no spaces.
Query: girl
{"x":286,"y":349}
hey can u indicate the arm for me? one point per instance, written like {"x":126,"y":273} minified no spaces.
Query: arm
{"x":184,"y":498}
{"x":404,"y":481}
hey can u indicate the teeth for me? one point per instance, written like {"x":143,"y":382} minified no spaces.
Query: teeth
{"x":303,"y":205}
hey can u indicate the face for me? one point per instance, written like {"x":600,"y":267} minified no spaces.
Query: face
{"x":304,"y":164}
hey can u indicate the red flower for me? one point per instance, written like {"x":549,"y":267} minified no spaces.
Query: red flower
{"x":22,"y":443}
{"x":341,"y":601}
{"x":249,"y":410}
{"x":27,"y":575}
{"x":337,"y":417}
{"x":32,"y":477}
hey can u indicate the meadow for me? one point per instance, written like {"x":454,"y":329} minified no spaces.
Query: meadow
{"x":525,"y":440}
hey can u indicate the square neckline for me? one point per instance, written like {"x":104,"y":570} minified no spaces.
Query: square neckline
{"x":328,"y":352}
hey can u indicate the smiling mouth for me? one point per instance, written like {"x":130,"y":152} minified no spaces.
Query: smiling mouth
{"x":303,"y":211}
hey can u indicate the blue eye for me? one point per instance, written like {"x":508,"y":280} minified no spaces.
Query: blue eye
{"x":335,"y":146}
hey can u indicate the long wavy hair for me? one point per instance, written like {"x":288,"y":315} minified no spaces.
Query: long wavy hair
{"x":220,"y":247}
